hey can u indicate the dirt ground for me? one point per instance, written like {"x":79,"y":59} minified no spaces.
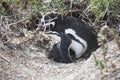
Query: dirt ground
{"x":32,"y":64}
{"x":24,"y":65}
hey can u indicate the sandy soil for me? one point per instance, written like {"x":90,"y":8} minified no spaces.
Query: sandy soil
{"x":32,"y":64}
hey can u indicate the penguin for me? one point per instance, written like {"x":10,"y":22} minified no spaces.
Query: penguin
{"x":76,"y":36}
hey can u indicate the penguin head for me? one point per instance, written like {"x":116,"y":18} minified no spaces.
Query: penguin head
{"x":47,"y":22}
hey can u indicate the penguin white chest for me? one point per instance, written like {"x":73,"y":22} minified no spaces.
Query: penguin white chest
{"x":77,"y":48}
{"x":78,"y":45}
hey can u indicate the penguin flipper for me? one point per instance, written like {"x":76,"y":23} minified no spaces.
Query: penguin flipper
{"x":65,"y":48}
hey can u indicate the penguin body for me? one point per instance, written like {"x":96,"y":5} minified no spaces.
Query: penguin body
{"x":76,"y":37}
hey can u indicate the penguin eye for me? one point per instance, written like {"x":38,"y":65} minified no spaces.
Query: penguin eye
{"x":46,"y":18}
